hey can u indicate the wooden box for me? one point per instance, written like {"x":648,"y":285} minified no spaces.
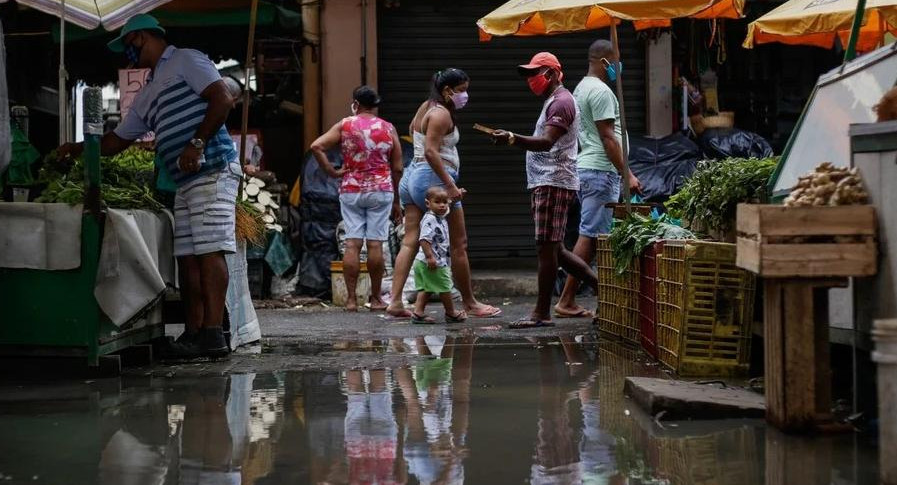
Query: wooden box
{"x":807,"y":242}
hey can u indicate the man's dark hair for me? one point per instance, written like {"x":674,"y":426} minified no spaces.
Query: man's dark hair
{"x":366,"y":97}
{"x":599,"y":49}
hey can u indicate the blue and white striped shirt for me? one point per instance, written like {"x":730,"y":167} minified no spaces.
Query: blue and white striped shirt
{"x":171,"y":106}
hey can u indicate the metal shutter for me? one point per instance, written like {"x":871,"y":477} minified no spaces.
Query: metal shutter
{"x":421,"y":37}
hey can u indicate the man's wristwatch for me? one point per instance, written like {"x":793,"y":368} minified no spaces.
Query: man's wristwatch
{"x":197,"y":143}
{"x":512,"y":138}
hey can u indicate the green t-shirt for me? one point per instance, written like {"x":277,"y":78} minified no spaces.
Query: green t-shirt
{"x":596,"y":102}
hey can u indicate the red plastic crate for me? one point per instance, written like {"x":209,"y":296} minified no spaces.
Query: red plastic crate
{"x":647,"y":298}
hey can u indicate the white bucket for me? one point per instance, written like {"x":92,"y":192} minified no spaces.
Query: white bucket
{"x":20,"y":194}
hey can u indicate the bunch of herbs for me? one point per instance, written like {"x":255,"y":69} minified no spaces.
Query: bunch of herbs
{"x":708,"y":199}
{"x":631,"y":236}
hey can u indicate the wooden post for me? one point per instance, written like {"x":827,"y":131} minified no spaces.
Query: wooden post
{"x":244,"y":125}
{"x":798,"y":368}
{"x":625,"y":175}
{"x":311,"y":72}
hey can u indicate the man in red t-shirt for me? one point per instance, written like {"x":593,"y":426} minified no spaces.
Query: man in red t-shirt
{"x":551,"y":176}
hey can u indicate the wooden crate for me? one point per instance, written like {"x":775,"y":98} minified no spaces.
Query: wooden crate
{"x":807,"y":242}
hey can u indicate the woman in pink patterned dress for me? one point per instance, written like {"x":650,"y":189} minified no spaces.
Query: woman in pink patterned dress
{"x":372,"y":167}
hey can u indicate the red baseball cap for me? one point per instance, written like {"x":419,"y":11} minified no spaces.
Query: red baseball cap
{"x":540,"y":60}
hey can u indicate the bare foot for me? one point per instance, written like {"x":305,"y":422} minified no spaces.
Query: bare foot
{"x":571,"y":312}
{"x":377,"y":304}
{"x":398,"y":311}
{"x":351,"y":307}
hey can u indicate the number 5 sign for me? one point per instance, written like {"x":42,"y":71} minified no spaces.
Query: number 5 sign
{"x":130,"y":82}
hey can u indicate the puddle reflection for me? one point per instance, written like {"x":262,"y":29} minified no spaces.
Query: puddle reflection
{"x":550,"y":411}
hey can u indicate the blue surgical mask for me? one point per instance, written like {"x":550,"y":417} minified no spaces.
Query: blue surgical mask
{"x":132,"y":53}
{"x":612,"y":71}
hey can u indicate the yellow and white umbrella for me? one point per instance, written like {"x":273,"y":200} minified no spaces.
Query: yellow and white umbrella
{"x":547,"y":17}
{"x":820,"y":22}
{"x":90,"y":14}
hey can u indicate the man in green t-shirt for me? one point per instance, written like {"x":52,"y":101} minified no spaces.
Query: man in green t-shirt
{"x":599,"y":164}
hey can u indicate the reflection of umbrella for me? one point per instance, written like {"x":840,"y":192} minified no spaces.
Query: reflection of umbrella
{"x":546,"y":17}
{"x":820,"y":22}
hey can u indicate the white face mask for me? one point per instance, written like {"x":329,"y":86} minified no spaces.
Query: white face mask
{"x":354,"y":109}
{"x":460,"y":99}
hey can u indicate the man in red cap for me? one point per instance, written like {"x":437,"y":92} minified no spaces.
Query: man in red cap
{"x":551,"y":176}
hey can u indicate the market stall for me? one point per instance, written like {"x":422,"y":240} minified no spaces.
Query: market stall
{"x":78,"y":278}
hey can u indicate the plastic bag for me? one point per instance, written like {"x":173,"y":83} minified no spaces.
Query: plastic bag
{"x":279,"y":255}
{"x":663,"y":164}
{"x":720,"y":143}
{"x":317,"y":186}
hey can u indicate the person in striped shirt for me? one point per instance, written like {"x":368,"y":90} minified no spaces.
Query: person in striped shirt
{"x":185,"y":103}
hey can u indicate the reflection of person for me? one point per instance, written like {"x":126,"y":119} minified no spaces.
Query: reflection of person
{"x":207,"y":445}
{"x":185,"y":104}
{"x":556,"y":455}
{"x":437,"y":395}
{"x":431,"y":272}
{"x":371,"y":429}
{"x":599,"y":163}
{"x":372,"y":167}
{"x":552,"y":178}
{"x":596,"y":447}
{"x":436,"y":163}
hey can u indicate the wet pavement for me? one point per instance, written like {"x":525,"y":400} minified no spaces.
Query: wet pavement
{"x":457,"y":405}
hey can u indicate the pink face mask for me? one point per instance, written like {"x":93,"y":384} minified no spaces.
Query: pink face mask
{"x":460,"y":99}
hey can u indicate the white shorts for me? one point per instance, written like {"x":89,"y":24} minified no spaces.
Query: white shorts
{"x":204,"y":213}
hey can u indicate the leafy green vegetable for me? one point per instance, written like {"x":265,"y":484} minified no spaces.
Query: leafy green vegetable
{"x":709,"y":198}
{"x":126,"y":180}
{"x":633,"y":235}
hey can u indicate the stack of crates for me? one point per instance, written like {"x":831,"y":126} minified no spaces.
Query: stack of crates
{"x":705,"y":307}
{"x":618,"y":296}
{"x":647,"y":298}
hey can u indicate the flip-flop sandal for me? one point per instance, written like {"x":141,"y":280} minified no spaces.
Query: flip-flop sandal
{"x":422,"y":319}
{"x":529,"y":323}
{"x":582,"y":313}
{"x":486,"y":311}
{"x":459,"y":317}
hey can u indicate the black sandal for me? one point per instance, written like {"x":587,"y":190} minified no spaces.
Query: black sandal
{"x":525,"y":323}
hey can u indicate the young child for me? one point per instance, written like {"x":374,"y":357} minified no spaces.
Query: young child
{"x":431,"y":272}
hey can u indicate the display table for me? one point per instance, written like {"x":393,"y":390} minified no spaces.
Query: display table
{"x":97,"y":299}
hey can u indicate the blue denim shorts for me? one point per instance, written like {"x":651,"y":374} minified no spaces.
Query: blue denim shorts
{"x":417,"y":179}
{"x":366,"y":215}
{"x":597,"y":188}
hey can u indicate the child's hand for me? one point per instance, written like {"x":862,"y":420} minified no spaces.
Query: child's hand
{"x":431,"y":263}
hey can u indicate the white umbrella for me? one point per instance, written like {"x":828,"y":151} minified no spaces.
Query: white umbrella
{"x":89,"y":14}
